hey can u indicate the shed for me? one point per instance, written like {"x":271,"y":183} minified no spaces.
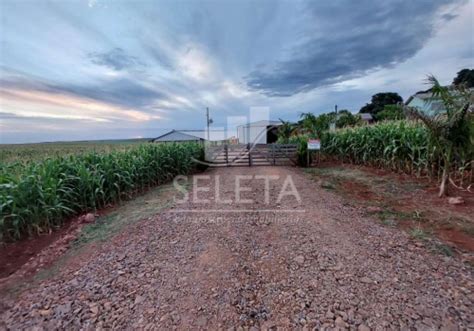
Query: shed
{"x":425,"y":102}
{"x":190,"y":135}
{"x":174,"y":136}
{"x":431,"y":105}
{"x":260,"y":132}
{"x":366,"y":117}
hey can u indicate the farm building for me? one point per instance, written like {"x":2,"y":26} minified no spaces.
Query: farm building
{"x":366,"y":117}
{"x":424,"y":101}
{"x":191,"y":135}
{"x":260,"y":132}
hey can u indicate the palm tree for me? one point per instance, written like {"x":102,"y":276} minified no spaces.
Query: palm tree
{"x":448,"y":129}
{"x":307,"y":123}
{"x":285,"y":130}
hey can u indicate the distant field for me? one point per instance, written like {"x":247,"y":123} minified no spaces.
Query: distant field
{"x":41,"y":151}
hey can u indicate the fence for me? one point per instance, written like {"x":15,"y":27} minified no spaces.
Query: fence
{"x":251,"y":155}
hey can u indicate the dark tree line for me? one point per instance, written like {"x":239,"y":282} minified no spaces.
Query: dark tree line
{"x":464,"y":77}
{"x":379,"y":101}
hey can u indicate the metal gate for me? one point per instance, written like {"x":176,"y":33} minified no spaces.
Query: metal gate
{"x":251,"y":155}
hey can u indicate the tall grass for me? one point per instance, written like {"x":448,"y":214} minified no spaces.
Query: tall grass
{"x":37,"y":196}
{"x":403,"y":146}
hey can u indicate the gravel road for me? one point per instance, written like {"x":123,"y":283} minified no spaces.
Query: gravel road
{"x":289,"y":264}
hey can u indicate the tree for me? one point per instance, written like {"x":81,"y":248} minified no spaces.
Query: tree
{"x":307,"y":123}
{"x":322,"y":123}
{"x":368,"y":108}
{"x":449,"y":130}
{"x":379,"y":101}
{"x":391,"y":113}
{"x":316,"y":125}
{"x":346,"y":118}
{"x":285,"y":130}
{"x":466,"y":77}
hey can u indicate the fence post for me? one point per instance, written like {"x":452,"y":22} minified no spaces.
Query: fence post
{"x":250,"y":155}
{"x":273,"y":154}
{"x":226,"y":148}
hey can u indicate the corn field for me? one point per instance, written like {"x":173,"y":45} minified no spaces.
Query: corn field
{"x":41,"y":151}
{"x":38,"y":196}
{"x":403,"y":146}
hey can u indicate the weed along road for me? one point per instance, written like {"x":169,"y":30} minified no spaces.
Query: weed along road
{"x":252,"y":248}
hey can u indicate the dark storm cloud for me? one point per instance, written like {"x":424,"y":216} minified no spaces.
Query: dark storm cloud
{"x":116,"y":59}
{"x":349,"y":39}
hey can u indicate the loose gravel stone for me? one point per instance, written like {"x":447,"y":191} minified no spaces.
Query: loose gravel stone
{"x":314,"y":264}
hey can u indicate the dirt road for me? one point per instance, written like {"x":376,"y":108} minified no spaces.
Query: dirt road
{"x":287,"y":264}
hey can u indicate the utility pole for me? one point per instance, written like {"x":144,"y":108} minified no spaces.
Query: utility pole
{"x":332,"y":126}
{"x":209,"y":122}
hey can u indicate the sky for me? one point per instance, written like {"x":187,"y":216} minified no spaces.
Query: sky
{"x":108,"y":69}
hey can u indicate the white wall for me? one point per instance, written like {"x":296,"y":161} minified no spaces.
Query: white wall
{"x":250,"y":134}
{"x":241,"y":134}
{"x":255,"y":137}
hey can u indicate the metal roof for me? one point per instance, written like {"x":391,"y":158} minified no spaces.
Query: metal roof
{"x":190,"y":135}
{"x":174,"y":135}
{"x":262,"y":123}
{"x":214,"y":135}
{"x":366,"y":116}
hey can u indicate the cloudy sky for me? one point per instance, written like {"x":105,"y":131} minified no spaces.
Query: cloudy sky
{"x":99,"y":69}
